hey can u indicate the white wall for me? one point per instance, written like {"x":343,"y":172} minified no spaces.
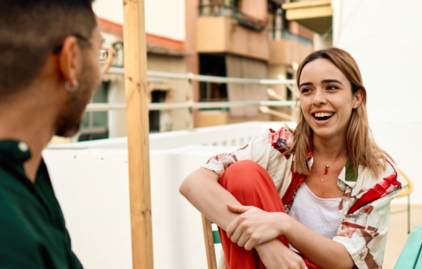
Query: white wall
{"x":91,"y":183}
{"x":384,"y":38}
{"x":164,"y":18}
{"x":92,"y":187}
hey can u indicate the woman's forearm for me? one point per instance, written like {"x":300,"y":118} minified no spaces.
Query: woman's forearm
{"x":202,"y":190}
{"x":323,"y":252}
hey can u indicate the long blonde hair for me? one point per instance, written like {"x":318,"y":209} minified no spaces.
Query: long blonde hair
{"x":360,"y":144}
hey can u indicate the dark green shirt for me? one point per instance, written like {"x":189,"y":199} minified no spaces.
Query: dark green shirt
{"x":32,"y":228}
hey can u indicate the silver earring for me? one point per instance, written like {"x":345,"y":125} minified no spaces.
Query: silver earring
{"x":71,"y":89}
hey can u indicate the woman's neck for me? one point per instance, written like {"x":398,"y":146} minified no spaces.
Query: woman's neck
{"x":330,"y":148}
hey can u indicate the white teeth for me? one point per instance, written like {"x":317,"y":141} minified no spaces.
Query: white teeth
{"x":321,"y":114}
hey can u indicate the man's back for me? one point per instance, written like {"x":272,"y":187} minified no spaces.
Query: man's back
{"x":32,"y":227}
{"x":50,"y":55}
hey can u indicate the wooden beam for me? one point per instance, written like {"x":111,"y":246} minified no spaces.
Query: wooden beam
{"x":138,"y":133}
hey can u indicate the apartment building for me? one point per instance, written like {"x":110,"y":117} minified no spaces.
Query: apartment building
{"x":230,"y":38}
{"x":246,"y":39}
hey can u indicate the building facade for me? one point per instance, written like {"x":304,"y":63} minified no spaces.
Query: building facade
{"x":246,"y":39}
{"x":228,"y":38}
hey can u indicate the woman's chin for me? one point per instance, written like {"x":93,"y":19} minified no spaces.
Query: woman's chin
{"x":324,"y":133}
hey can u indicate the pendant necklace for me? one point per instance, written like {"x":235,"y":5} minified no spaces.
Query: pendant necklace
{"x":328,"y":166}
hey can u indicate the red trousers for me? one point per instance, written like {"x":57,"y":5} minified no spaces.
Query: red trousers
{"x":251,"y":185}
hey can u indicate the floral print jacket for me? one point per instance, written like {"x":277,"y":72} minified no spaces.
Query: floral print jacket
{"x":365,"y":207}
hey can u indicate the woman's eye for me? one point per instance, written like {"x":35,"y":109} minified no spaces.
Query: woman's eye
{"x":305,"y":90}
{"x":332,"y":87}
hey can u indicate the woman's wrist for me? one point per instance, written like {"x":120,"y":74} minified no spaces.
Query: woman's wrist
{"x":283,"y":223}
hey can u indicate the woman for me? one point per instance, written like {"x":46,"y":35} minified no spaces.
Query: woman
{"x":334,"y":182}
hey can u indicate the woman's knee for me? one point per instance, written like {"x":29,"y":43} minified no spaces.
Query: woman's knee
{"x":243,"y":167}
{"x":241,"y":177}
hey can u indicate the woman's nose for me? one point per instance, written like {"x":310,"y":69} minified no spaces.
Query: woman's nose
{"x":319,"y":98}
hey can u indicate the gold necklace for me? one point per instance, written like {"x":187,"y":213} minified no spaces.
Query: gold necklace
{"x":328,"y":179}
{"x":328,"y":166}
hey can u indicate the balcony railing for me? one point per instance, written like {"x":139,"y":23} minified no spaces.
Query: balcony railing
{"x":286,"y":34}
{"x":219,"y":10}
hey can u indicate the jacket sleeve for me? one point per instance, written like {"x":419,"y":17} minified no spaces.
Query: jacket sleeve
{"x":363,"y":231}
{"x":260,"y":150}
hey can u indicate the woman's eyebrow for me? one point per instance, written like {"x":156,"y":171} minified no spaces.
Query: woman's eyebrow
{"x":305,"y":84}
{"x":325,"y":81}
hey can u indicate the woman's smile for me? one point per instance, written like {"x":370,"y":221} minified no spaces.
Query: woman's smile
{"x":322,"y":117}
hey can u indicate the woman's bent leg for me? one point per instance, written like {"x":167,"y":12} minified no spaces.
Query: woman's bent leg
{"x":251,"y":185}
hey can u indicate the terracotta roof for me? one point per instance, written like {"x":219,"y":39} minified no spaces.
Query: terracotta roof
{"x":152,"y":40}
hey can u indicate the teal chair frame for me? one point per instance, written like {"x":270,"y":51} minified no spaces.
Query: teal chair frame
{"x":411,"y":255}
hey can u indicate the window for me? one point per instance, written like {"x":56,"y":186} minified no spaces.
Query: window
{"x":289,"y":75}
{"x":95,"y":123}
{"x":212,"y":65}
{"x":157,"y":96}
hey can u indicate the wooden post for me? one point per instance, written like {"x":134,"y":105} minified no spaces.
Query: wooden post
{"x":138,"y":133}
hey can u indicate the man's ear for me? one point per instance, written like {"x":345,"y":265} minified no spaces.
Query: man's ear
{"x":69,"y":60}
{"x":357,"y":98}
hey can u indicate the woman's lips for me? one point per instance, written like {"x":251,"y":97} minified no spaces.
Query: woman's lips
{"x":322,"y":122}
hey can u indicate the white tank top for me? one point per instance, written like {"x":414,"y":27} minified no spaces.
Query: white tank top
{"x":318,"y":214}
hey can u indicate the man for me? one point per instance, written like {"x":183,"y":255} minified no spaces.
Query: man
{"x":49,"y":70}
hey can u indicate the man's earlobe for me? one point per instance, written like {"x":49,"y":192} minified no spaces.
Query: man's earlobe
{"x":73,"y":88}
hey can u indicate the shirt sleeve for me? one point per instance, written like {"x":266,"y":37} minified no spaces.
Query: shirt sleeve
{"x":364,"y":229}
{"x":260,"y":150}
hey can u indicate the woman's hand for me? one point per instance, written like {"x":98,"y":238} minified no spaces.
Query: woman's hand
{"x":275,"y":255}
{"x":253,"y":227}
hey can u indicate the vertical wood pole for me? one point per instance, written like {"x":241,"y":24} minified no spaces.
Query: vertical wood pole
{"x":138,"y":133}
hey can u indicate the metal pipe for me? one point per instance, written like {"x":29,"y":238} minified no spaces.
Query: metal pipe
{"x":165,"y":106}
{"x":203,"y":78}
{"x":265,"y":109}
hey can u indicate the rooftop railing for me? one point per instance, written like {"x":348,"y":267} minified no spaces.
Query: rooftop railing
{"x":263,"y":104}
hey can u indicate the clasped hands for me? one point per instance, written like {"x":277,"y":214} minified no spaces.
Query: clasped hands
{"x":253,"y":226}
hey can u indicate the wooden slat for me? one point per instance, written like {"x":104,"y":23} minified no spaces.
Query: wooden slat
{"x":411,"y":255}
{"x":137,"y":132}
{"x":209,"y":243}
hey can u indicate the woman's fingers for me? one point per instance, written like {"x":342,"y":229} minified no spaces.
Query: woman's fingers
{"x":238,"y":208}
{"x":235,"y":223}
{"x":236,"y":235}
{"x":232,"y":227}
{"x":251,"y":243}
{"x":242,"y":240}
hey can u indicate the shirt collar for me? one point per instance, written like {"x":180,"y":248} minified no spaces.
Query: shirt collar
{"x":15,"y":151}
{"x":347,"y":174}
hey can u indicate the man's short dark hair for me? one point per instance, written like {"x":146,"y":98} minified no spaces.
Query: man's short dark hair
{"x":30,"y":30}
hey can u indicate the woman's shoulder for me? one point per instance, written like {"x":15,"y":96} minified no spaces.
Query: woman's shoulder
{"x":388,"y":179}
{"x":281,"y":140}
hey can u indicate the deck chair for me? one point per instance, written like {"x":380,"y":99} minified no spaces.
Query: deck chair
{"x":407,"y":190}
{"x":211,"y":237}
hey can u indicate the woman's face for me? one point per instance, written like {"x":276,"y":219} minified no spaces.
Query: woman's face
{"x":326,"y":98}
